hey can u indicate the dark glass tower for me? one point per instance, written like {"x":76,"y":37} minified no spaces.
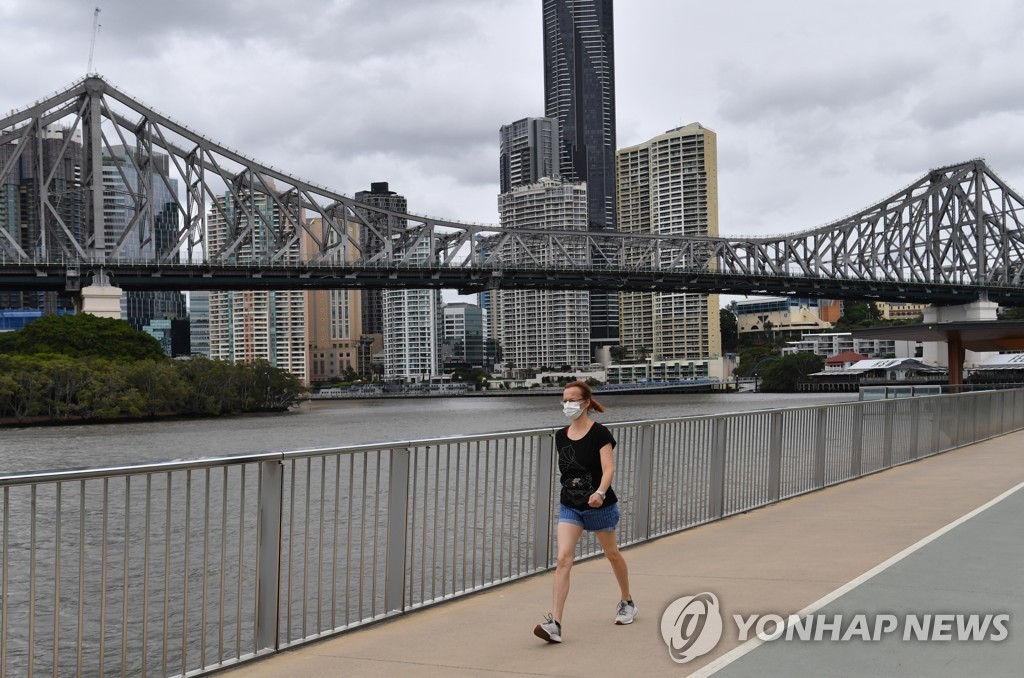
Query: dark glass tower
{"x":579,"y":92}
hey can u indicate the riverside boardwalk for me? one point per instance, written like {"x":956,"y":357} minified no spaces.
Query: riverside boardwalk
{"x":915,"y":529}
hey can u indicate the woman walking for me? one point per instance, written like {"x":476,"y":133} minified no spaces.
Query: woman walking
{"x":587,"y":502}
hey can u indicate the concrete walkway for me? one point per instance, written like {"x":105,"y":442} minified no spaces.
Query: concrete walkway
{"x":777,"y":559}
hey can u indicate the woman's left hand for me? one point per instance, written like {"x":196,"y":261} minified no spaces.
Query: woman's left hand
{"x":595,"y":500}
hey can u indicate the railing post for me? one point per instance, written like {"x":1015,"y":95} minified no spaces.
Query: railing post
{"x":716,"y":493}
{"x":398,"y":516}
{"x":819,"y":447}
{"x":775,"y":456}
{"x":887,"y":433}
{"x":857,"y":441}
{"x":542,"y":503}
{"x":642,"y":494}
{"x":268,"y":554}
{"x":915,"y":420}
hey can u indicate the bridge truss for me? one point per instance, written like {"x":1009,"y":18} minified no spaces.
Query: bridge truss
{"x":194,"y":214}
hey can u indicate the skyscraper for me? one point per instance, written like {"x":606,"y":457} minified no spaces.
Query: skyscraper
{"x":20,"y":204}
{"x":579,"y":92}
{"x":543,"y":328}
{"x":379,"y":195}
{"x":250,"y":325}
{"x":411,"y":320}
{"x":148,"y":240}
{"x":528,"y":152}
{"x":669,"y":186}
{"x":333,"y":323}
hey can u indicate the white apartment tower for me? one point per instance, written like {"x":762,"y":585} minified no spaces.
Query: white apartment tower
{"x":413,"y":329}
{"x":669,"y":186}
{"x":544,"y":328}
{"x":248,"y":325}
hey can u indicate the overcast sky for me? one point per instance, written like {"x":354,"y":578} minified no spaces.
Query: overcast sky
{"x":821,"y":108}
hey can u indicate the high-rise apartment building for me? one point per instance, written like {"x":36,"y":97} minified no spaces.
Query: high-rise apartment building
{"x":543,"y":328}
{"x":410,"y":320}
{"x":199,"y":322}
{"x":579,"y":92}
{"x":20,"y":207}
{"x":147,"y":239}
{"x":464,"y":333}
{"x":379,"y":195}
{"x":413,"y":329}
{"x":334,"y":323}
{"x":528,"y":152}
{"x":247,"y":325}
{"x":669,"y":186}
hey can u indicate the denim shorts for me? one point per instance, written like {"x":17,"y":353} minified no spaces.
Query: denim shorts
{"x":602,"y":519}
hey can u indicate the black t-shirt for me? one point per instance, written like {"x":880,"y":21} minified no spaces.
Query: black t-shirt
{"x":579,"y":463}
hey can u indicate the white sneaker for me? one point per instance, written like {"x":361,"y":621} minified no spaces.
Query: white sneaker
{"x":550,"y":630}
{"x":626,"y":612}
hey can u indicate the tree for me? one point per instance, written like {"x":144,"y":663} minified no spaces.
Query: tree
{"x":859,"y":314}
{"x":82,"y":336}
{"x":1012,"y":313}
{"x":783,"y":375}
{"x":749,"y":358}
{"x":730,"y":330}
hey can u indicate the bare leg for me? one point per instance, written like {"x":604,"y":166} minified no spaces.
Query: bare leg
{"x":615,"y":559}
{"x":568,"y":535}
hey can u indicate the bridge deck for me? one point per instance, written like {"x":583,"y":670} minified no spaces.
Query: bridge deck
{"x":779,"y":559}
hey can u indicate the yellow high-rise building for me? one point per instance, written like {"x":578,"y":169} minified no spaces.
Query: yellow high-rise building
{"x":669,"y":186}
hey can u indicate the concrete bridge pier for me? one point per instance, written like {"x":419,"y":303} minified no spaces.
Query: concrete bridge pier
{"x":100,"y":298}
{"x":976,"y":311}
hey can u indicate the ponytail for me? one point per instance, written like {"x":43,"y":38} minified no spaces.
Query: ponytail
{"x":584,"y":388}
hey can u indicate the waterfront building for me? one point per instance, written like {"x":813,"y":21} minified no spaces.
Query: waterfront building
{"x":787,"y":316}
{"x":199,"y":322}
{"x":334,"y":320}
{"x":251,"y":325}
{"x":669,"y":186}
{"x":901,"y":311}
{"x":538,"y":329}
{"x":127,"y":173}
{"x":828,"y":344}
{"x":413,"y":329}
{"x":409,"y":322}
{"x":20,"y":204}
{"x":528,"y":152}
{"x":464,"y":334}
{"x":379,"y":195}
{"x":579,"y":93}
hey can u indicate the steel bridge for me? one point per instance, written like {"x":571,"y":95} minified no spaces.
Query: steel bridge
{"x":191,"y":213}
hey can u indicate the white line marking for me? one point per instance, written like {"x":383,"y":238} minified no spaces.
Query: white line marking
{"x":754,"y":643}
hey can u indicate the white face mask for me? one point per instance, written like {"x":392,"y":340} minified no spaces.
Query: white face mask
{"x":572,"y":410}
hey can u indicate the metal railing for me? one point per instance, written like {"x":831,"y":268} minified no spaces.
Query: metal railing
{"x":184,"y":567}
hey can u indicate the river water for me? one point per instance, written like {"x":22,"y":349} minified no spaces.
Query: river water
{"x":337,"y":423}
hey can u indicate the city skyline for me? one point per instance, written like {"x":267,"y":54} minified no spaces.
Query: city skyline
{"x":820,"y":110}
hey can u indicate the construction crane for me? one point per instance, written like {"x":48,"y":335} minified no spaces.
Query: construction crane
{"x":95,"y":30}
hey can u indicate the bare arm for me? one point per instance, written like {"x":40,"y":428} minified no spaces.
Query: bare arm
{"x":607,"y":471}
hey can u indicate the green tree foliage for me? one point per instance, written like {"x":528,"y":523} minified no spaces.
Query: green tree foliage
{"x":1012,"y":313}
{"x":82,"y":336}
{"x":750,"y":356}
{"x":783,"y":375}
{"x":730,"y":330}
{"x":59,"y":388}
{"x":859,"y":314}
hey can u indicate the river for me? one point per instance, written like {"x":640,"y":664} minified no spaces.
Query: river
{"x":337,"y":423}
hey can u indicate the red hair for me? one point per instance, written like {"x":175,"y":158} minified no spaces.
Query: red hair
{"x":584,"y":388}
